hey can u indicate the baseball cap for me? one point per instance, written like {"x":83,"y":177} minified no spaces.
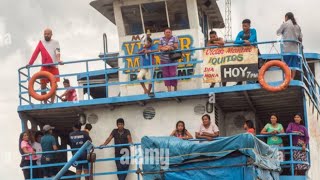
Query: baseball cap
{"x":47,"y":127}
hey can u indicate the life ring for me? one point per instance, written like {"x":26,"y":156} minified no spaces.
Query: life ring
{"x":53,"y":85}
{"x":284,"y":68}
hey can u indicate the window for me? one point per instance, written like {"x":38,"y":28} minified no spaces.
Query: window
{"x":154,"y":16}
{"x":132,"y":19}
{"x":178,"y":14}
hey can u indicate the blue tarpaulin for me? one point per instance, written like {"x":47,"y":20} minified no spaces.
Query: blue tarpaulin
{"x":241,"y":156}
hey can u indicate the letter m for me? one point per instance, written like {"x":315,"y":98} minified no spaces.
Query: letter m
{"x":135,"y":38}
{"x":132,"y":63}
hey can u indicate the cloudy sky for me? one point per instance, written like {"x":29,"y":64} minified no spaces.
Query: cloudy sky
{"x":79,"y":28}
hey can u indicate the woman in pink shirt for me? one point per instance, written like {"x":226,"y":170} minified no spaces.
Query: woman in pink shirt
{"x":181,"y":132}
{"x":208,"y":130}
{"x":27,"y":149}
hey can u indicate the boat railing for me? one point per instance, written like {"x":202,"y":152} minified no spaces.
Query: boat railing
{"x":85,"y":69}
{"x":137,"y":158}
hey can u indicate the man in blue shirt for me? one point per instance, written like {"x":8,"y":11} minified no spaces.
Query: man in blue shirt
{"x":77,"y":139}
{"x":248,"y":35}
{"x":146,"y":61}
{"x":48,"y":143}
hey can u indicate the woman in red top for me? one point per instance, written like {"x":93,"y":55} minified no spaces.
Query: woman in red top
{"x":249,"y":127}
{"x":27,"y":149}
{"x":181,"y":132}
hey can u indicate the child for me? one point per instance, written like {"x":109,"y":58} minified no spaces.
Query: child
{"x":249,"y":127}
{"x":181,"y":132}
{"x":70,"y":94}
{"x":146,"y":61}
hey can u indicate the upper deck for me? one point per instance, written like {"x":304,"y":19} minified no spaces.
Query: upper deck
{"x":104,"y":89}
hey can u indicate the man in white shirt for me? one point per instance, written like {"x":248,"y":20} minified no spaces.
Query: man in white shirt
{"x":38,"y":148}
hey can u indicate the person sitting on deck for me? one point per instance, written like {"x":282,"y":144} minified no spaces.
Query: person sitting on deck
{"x":121,"y":136}
{"x":274,"y":128}
{"x":70,"y":94}
{"x":215,"y":41}
{"x":300,"y":140}
{"x":249,"y":127}
{"x":207,"y":130}
{"x":50,"y":53}
{"x":146,"y":61}
{"x":181,"y":131}
{"x":77,"y":139}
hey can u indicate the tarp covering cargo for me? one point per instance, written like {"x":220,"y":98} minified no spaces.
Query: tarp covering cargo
{"x":237,"y":157}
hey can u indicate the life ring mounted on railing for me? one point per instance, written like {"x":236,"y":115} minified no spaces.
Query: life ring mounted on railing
{"x":284,"y":68}
{"x":53,"y":84}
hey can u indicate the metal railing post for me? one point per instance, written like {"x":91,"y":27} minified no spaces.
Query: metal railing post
{"x":84,"y":147}
{"x":291,"y":155}
{"x":88,"y":80}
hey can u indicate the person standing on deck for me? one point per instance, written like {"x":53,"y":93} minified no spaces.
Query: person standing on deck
{"x":248,"y":126}
{"x":274,"y":128}
{"x":290,"y":30}
{"x":181,"y":131}
{"x":26,"y":148}
{"x":215,"y":41}
{"x":146,"y":61}
{"x":77,"y":139}
{"x":50,"y":53}
{"x":300,"y":140}
{"x":121,"y":136}
{"x":166,"y":44}
{"x":87,"y":128}
{"x":247,"y":36}
{"x":48,"y":143}
{"x":207,"y":130}
{"x":36,"y":145}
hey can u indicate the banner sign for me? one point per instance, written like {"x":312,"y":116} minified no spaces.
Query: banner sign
{"x":230,"y":64}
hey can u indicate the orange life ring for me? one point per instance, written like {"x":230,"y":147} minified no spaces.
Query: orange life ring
{"x":284,"y":68}
{"x":53,"y":85}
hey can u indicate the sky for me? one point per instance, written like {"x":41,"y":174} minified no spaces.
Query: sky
{"x":79,"y":29}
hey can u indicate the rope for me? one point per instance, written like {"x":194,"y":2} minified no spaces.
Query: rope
{"x":195,"y":168}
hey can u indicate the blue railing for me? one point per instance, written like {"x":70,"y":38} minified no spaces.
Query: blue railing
{"x":73,"y":161}
{"x":138,"y":159}
{"x":25,"y":74}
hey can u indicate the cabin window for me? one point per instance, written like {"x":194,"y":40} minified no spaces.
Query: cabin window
{"x":154,"y":16}
{"x":132,"y":19}
{"x":178,"y":14}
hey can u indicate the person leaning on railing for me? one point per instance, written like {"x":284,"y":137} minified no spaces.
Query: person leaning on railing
{"x":274,"y":128}
{"x":215,"y":41}
{"x":121,"y":136}
{"x":208,"y":130}
{"x":181,"y":131}
{"x":300,"y":140}
{"x":292,"y":31}
{"x":50,"y":53}
{"x":247,"y":36}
